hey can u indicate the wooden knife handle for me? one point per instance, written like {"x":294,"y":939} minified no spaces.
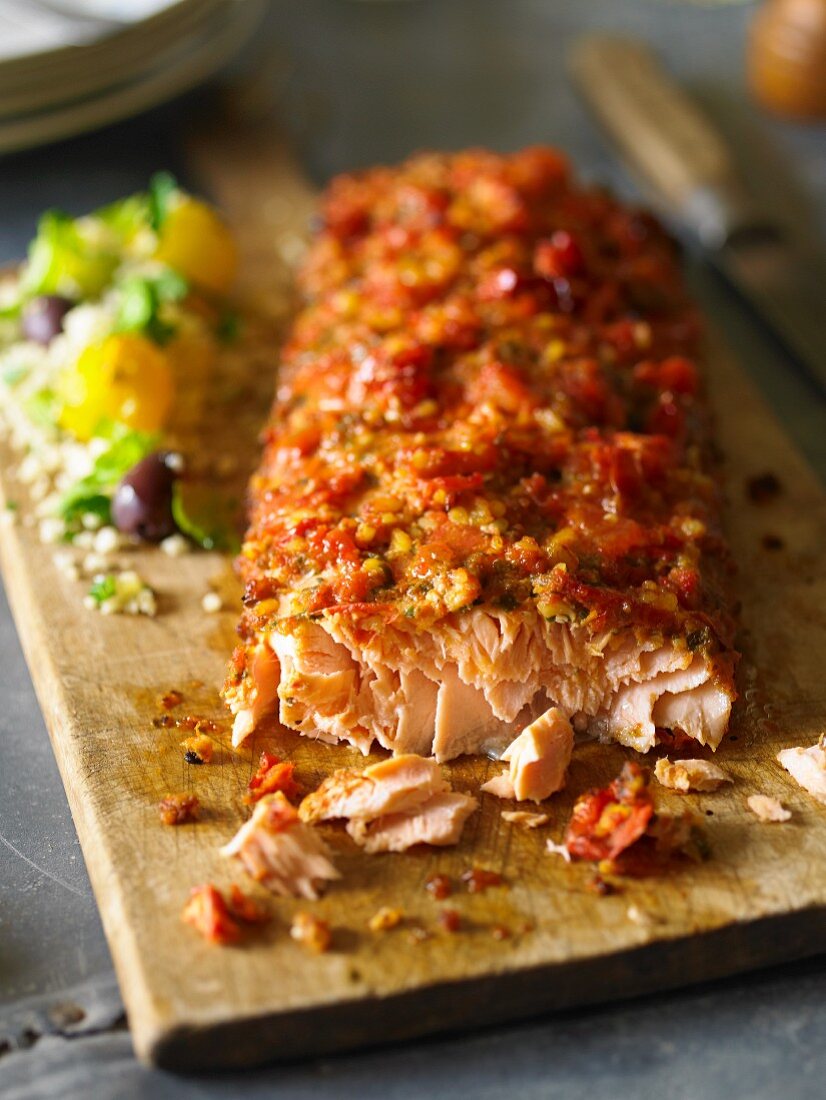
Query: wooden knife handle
{"x":664,"y":137}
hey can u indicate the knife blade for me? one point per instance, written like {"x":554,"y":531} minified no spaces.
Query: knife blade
{"x":667,"y":141}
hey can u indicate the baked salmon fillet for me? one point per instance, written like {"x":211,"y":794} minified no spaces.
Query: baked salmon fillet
{"x":487,"y":487}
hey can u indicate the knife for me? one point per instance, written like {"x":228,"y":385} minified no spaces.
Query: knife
{"x":668,"y":142}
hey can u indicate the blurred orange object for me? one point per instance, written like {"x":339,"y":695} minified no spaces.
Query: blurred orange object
{"x":787,"y":57}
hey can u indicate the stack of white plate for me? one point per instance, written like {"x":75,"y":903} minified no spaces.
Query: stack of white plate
{"x":67,"y":66}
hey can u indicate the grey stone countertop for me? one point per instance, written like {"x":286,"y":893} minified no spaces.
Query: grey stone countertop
{"x":357,"y":82}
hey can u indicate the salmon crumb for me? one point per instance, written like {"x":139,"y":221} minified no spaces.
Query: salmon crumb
{"x":311,"y":932}
{"x":500,"y":932}
{"x":690,"y":775}
{"x":171,"y":699}
{"x":807,"y":767}
{"x":525,"y":819}
{"x":178,"y":809}
{"x":767,"y":808}
{"x":207,"y":912}
{"x":384,"y":919}
{"x":197,"y":749}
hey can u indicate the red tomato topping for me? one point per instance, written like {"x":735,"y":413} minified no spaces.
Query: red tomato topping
{"x":493,"y":378}
{"x":273,"y":775}
{"x":208,"y":913}
{"x":606,"y":821}
{"x":559,"y":257}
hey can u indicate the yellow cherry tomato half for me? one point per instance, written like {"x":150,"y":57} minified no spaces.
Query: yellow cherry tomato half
{"x":125,"y":378}
{"x":195,"y":242}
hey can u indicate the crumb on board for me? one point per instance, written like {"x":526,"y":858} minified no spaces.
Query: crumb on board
{"x":763,"y":488}
{"x":690,"y":775}
{"x":273,"y":774}
{"x":179,"y":809}
{"x":478,"y":879}
{"x":600,"y":886}
{"x":385,"y":918}
{"x":188,"y":722}
{"x":555,"y":849}
{"x":171,"y":699}
{"x":198,"y":749}
{"x":807,"y":766}
{"x":525,"y":819}
{"x":175,"y":546}
{"x":767,"y":808}
{"x":772,"y":542}
{"x":208,"y":913}
{"x":417,"y":934}
{"x":211,"y":602}
{"x":121,"y":593}
{"x":639,"y":916}
{"x":311,"y":932}
{"x":439,"y":886}
{"x":500,"y":932}
{"x":450,"y":920}
{"x":245,"y":908}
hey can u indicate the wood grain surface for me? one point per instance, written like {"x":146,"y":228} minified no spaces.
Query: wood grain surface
{"x":760,"y":898}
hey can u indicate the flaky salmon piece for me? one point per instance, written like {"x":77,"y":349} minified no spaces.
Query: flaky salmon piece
{"x":538,"y":760}
{"x":281,"y":852}
{"x":807,"y":766}
{"x":391,"y":786}
{"x":438,"y":821}
{"x":392,"y":805}
{"x":487,"y":488}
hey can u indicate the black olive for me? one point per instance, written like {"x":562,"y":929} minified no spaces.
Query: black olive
{"x":43,"y":317}
{"x":142,"y":504}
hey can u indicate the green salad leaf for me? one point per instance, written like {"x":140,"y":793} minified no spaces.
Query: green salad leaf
{"x":104,"y":589}
{"x":77,"y":504}
{"x":206,"y":515}
{"x":141,"y":300}
{"x":93,"y":493}
{"x":162,"y":187}
{"x":126,"y":217}
{"x":63,"y":261}
{"x":11,"y":311}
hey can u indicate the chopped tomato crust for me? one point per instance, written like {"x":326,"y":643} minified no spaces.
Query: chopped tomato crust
{"x":607,"y":821}
{"x":207,"y":912}
{"x":311,"y":932}
{"x":245,"y":908}
{"x":179,"y":809}
{"x":478,"y":879}
{"x":198,"y":749}
{"x":616,"y":828}
{"x":385,"y":918}
{"x":450,"y":920}
{"x":490,"y":397}
{"x":273,"y":775}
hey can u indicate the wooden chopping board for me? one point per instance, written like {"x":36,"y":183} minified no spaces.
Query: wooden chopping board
{"x":760,"y":898}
